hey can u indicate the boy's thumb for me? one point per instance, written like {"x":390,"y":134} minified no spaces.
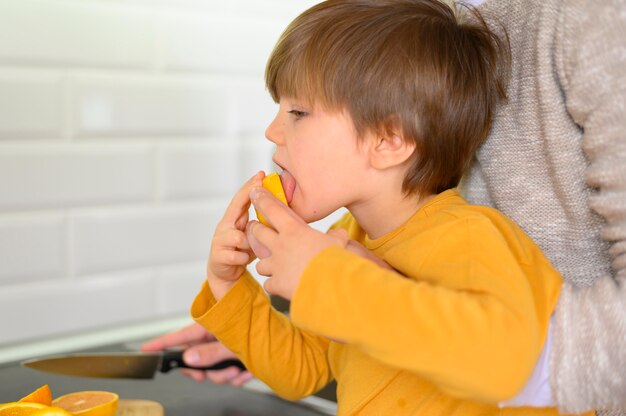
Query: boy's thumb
{"x":259,"y":249}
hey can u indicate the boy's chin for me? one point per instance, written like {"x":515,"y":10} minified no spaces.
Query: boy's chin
{"x":310,"y":214}
{"x":311,"y":217}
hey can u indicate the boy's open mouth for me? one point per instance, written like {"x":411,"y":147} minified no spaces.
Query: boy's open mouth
{"x":289,"y":184}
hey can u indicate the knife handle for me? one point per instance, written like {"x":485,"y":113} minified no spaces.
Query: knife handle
{"x":174,"y":359}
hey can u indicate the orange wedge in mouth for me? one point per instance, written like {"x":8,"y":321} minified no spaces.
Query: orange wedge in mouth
{"x":273,"y":184}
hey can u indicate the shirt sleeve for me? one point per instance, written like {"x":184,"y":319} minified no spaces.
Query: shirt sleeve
{"x":289,"y":360}
{"x":591,"y":66}
{"x":593,"y":76}
{"x":465,"y":320}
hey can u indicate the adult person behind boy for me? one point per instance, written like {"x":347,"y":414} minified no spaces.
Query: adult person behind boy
{"x":555,"y":162}
{"x":537,"y":92}
{"x":457,"y":322}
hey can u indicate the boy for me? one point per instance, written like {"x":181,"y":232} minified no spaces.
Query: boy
{"x":382,"y":106}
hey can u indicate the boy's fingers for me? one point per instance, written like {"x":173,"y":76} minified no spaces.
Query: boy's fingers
{"x":270,"y":286}
{"x":261,"y":236}
{"x":259,"y":249}
{"x":241,"y":201}
{"x":275,"y":212}
{"x":231,"y":257}
{"x":264,"y":266}
{"x":231,"y":238}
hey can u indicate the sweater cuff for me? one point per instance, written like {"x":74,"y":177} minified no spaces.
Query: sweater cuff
{"x":216,"y":315}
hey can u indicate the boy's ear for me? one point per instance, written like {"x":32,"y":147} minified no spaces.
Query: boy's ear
{"x":390,"y":149}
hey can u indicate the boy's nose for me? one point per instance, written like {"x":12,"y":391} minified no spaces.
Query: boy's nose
{"x":273,"y":133}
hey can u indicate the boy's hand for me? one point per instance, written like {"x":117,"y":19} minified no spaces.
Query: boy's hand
{"x":290,"y":246}
{"x":230,"y":250}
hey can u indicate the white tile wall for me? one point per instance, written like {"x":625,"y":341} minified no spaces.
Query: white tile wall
{"x":125,"y":127}
{"x":200,"y":43}
{"x":117,"y":239}
{"x":198,"y":169}
{"x":72,"y":33}
{"x":32,"y":246}
{"x":176,"y":284}
{"x":123,"y":105}
{"x":30,"y":104}
{"x":36,"y":175}
{"x":36,"y":310}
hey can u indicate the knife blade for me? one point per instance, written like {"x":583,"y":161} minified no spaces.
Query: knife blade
{"x":119,"y":365}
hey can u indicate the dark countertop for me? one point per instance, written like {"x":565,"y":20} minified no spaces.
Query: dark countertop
{"x":179,"y":395}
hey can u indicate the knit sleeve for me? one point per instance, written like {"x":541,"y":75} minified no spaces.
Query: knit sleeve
{"x":591,"y":60}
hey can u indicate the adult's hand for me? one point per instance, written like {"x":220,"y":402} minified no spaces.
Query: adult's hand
{"x":201,"y":349}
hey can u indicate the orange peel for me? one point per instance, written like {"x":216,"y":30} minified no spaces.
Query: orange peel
{"x":20,"y":408}
{"x":41,"y":395}
{"x":273,"y":184}
{"x":51,"y":411}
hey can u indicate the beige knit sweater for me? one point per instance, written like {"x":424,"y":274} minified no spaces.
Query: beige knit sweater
{"x":555,"y":162}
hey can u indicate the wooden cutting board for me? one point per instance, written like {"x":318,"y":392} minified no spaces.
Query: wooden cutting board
{"x":128,"y":407}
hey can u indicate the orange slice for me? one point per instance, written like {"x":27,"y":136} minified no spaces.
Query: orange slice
{"x":20,"y":408}
{"x":42,"y":395}
{"x":51,"y":411}
{"x":88,"y":403}
{"x":273,"y":184}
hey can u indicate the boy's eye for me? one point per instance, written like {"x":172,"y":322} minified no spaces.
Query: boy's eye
{"x":297,"y":114}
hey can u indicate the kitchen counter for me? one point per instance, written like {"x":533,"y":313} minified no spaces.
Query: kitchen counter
{"x":179,"y":395}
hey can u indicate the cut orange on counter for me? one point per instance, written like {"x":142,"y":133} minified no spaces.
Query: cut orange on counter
{"x":20,"y":408}
{"x":51,"y":411}
{"x":42,"y":395}
{"x":88,"y":403}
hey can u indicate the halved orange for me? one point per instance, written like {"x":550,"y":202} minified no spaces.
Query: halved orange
{"x":20,"y":408}
{"x":51,"y":411}
{"x":42,"y":395}
{"x":88,"y":403}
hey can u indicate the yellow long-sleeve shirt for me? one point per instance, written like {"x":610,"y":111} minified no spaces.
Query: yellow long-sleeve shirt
{"x":459,"y":332}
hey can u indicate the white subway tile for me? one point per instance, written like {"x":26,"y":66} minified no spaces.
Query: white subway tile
{"x":216,"y":42}
{"x":30,"y":105}
{"x":116,"y":239}
{"x":61,"y":307}
{"x":75,"y":33}
{"x":148,"y":106}
{"x":255,"y":155}
{"x":260,"y":9}
{"x":177,"y":286}
{"x":195,"y":169}
{"x":32,"y":246}
{"x":63,"y":175}
{"x":253,"y":107}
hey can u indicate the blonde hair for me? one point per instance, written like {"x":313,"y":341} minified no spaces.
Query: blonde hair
{"x":399,"y":63}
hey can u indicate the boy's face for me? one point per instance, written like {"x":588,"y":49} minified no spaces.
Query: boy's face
{"x":325,"y":165}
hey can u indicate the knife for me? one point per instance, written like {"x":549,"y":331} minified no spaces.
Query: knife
{"x":119,"y":365}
